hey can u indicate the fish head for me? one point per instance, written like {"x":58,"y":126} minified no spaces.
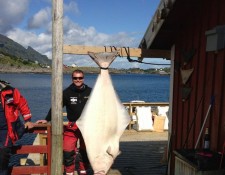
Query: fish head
{"x":102,"y":164}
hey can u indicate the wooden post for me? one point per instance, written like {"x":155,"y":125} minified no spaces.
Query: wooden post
{"x":57,"y":79}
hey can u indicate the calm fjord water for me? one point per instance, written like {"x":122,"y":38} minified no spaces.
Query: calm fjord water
{"x":37,"y":88}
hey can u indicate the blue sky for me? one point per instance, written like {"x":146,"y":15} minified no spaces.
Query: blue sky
{"x":120,"y":23}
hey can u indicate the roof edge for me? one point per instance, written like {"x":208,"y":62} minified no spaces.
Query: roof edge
{"x":157,"y":21}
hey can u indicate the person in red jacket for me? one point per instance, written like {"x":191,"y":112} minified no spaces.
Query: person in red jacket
{"x":12,"y":104}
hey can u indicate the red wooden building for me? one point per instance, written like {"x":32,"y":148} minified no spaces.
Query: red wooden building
{"x":194,"y":32}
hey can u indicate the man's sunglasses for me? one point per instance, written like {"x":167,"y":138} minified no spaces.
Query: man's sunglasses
{"x":78,"y":78}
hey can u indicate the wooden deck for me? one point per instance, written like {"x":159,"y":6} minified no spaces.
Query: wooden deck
{"x":141,"y":154}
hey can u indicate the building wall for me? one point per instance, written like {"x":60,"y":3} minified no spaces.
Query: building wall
{"x":206,"y":81}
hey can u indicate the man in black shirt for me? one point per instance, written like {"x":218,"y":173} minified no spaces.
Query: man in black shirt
{"x":74,"y":99}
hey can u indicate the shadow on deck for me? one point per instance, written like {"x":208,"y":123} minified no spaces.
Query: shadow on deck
{"x":142,"y":153}
{"x":140,"y":158}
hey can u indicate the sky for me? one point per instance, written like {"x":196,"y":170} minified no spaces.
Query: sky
{"x":119,"y":23}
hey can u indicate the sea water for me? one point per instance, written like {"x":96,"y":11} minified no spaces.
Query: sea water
{"x":36,"y":88}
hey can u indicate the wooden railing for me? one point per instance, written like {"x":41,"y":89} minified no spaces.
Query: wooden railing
{"x":44,"y":167}
{"x":131,"y":105}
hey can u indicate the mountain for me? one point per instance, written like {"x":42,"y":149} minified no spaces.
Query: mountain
{"x":13,"y":49}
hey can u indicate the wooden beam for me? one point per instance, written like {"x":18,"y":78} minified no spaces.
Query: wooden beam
{"x":27,"y":149}
{"x":57,"y":88}
{"x":29,"y":170}
{"x":156,"y":23}
{"x":123,"y":52}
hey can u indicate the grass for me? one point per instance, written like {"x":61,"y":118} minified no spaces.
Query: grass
{"x":7,"y":61}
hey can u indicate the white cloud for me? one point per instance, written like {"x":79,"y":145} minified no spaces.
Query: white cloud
{"x":71,"y":7}
{"x":40,"y":19}
{"x":76,"y":35}
{"x":41,"y":42}
{"x":12,"y":13}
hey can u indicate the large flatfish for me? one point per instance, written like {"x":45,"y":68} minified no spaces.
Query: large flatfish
{"x":103,"y":119}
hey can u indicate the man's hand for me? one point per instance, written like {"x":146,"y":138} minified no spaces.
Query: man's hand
{"x":42,"y":121}
{"x":29,"y":125}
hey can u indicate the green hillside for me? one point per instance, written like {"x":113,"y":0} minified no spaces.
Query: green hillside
{"x":19,"y":54}
{"x":11,"y":61}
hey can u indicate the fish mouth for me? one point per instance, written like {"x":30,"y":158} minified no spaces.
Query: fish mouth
{"x":102,"y":172}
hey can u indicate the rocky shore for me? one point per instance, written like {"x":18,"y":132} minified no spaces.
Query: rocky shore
{"x":69,"y":70}
{"x":9,"y":69}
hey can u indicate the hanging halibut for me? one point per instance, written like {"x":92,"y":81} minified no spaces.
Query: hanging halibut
{"x":103,"y":119}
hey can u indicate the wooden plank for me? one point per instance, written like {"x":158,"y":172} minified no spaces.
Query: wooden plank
{"x":156,"y":24}
{"x":29,"y":170}
{"x":27,"y":149}
{"x":49,"y":155}
{"x":57,"y":88}
{"x":39,"y":128}
{"x":123,"y":52}
{"x":146,"y":104}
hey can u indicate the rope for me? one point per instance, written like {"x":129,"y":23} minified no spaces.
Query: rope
{"x":104,"y":68}
{"x":138,"y":61}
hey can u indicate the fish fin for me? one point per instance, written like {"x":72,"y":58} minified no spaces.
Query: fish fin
{"x":111,"y":153}
{"x":119,"y":153}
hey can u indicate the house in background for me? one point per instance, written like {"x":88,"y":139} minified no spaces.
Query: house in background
{"x":194,"y":32}
{"x":73,"y":65}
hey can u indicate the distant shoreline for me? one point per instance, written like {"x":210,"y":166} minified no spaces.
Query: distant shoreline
{"x":87,"y":70}
{"x":24,"y":70}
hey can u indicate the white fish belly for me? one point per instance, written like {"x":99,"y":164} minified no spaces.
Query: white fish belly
{"x":102,"y":123}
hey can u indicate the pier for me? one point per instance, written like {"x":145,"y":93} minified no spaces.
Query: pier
{"x":142,"y":153}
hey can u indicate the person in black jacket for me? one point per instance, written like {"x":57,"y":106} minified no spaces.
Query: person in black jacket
{"x":74,"y":99}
